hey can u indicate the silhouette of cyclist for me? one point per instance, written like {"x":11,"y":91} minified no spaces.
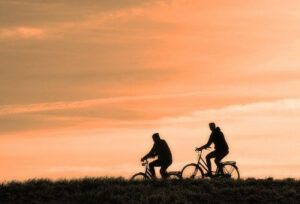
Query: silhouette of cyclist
{"x":221,"y":147}
{"x":162,"y":150}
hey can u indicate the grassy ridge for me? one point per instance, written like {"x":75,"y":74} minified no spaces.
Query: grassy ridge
{"x":118,"y":190}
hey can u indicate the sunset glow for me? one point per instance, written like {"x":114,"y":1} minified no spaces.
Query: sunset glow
{"x":84,"y":85}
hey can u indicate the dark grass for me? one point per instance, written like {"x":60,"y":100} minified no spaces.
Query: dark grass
{"x":118,"y":190}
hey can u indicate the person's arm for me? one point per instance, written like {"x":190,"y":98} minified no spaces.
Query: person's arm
{"x":209,"y":142}
{"x":152,"y":153}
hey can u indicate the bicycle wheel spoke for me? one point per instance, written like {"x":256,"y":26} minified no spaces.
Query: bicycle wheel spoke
{"x":231,"y":171}
{"x":194,"y":173}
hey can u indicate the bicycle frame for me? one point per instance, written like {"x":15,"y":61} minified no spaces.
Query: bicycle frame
{"x":149,"y":175}
{"x":147,"y":169}
{"x":202,"y":163}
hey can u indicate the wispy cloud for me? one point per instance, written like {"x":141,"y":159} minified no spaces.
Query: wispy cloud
{"x":66,"y":105}
{"x":62,"y":27}
{"x":283,"y":108}
{"x":23,"y":33}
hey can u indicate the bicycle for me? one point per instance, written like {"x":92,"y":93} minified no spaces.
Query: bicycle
{"x":227,"y":169}
{"x":148,"y":176}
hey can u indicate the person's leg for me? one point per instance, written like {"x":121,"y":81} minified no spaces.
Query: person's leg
{"x":163,"y":169}
{"x":219,"y":157}
{"x":208,"y":158}
{"x":152,"y":165}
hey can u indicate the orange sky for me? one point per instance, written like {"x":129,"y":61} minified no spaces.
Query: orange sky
{"x":85,"y":84}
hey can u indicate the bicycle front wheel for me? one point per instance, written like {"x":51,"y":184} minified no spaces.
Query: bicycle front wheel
{"x":192,"y":171}
{"x":139,"y":177}
{"x":231,"y":171}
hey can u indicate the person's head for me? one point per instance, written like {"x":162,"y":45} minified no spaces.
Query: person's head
{"x":155,"y":137}
{"x":212,"y":126}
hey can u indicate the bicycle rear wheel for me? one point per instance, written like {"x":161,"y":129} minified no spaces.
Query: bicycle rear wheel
{"x":231,"y":171}
{"x":192,"y":171}
{"x":139,"y":177}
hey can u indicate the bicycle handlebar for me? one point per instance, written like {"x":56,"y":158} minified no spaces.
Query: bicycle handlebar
{"x":202,"y":149}
{"x":145,"y":162}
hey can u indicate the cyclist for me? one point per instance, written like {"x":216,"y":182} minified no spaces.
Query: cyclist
{"x":221,"y":147}
{"x":162,"y":150}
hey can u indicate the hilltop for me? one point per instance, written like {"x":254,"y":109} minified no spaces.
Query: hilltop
{"x":118,"y":190}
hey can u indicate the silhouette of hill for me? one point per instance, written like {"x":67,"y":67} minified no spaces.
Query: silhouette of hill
{"x":118,"y":190}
